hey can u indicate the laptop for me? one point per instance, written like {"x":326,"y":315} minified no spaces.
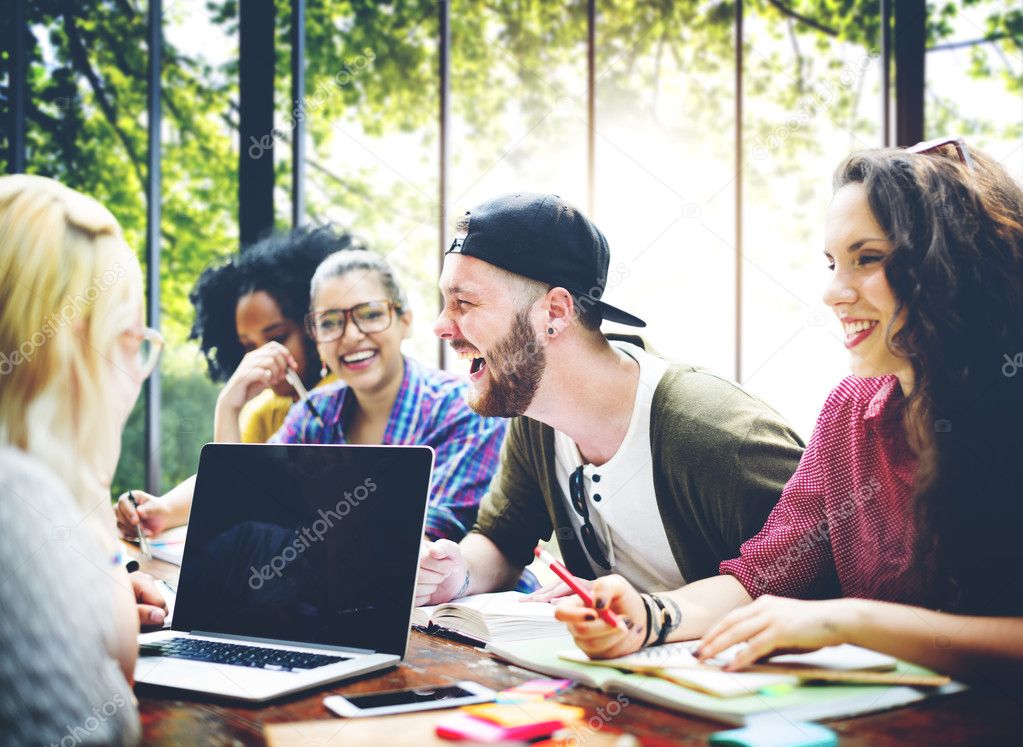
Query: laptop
{"x":299,"y":569}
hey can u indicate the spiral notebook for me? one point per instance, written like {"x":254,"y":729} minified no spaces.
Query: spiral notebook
{"x":798,"y":702}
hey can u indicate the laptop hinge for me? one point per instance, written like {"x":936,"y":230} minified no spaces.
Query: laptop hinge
{"x":281,"y":642}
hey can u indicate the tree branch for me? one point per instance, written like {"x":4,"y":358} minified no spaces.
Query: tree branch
{"x":800,"y":83}
{"x":805,"y":20}
{"x":968,"y":43}
{"x":81,"y":61}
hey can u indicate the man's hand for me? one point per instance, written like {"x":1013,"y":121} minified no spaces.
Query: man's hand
{"x":152,"y":512}
{"x":594,"y":636}
{"x":152,"y":607}
{"x":443,"y":574}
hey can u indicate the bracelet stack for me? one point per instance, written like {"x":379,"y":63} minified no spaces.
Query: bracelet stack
{"x":663,"y":616}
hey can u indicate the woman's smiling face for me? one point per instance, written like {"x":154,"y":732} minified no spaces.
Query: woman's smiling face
{"x":366,"y":362}
{"x":856,"y":247}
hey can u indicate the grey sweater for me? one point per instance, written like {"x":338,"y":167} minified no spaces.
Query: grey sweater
{"x":57,"y":679}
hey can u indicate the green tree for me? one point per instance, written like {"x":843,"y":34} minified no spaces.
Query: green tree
{"x":374,"y":64}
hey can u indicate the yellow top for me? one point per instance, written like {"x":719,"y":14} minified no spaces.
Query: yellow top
{"x":264,"y":414}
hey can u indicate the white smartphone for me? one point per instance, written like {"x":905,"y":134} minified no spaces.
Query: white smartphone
{"x":404,"y":701}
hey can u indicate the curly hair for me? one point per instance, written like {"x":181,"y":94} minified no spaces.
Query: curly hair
{"x":956,"y":271}
{"x":280,"y":265}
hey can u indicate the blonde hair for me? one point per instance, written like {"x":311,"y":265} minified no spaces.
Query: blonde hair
{"x":69,"y":285}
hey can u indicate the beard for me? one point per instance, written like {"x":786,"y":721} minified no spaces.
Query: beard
{"x":515,"y":366}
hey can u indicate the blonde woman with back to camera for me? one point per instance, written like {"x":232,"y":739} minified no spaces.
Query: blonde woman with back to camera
{"x":73,"y":356}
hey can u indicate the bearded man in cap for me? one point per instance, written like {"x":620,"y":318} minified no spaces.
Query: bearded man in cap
{"x":653,"y":470}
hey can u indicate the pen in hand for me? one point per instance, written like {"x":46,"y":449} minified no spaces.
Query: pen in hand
{"x":561,"y":572}
{"x":303,"y":395}
{"x":143,"y":542}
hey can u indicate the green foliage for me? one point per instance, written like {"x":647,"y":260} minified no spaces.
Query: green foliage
{"x":372,"y":70}
{"x":186,"y":423}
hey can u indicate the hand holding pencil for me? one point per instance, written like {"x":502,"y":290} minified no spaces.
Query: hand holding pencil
{"x":146,"y":513}
{"x":607,"y":622}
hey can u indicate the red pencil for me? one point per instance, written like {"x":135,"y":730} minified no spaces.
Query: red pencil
{"x":562,"y":572}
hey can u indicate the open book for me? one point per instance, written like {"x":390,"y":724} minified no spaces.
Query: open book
{"x":488,"y":618}
{"x":742,"y":695}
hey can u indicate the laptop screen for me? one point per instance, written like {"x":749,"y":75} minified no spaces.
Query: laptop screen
{"x":315,"y":544}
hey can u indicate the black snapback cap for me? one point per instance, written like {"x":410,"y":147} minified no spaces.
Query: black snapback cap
{"x":542,"y":237}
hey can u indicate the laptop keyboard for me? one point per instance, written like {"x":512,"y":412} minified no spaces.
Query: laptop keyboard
{"x":258,"y":657}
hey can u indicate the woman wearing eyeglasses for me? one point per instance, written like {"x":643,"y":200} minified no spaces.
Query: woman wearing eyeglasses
{"x":899,"y":530}
{"x":359,"y":317}
{"x":73,"y":356}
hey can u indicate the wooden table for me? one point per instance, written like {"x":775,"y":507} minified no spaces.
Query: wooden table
{"x":170,"y":717}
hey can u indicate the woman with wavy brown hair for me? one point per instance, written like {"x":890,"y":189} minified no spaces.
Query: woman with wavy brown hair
{"x":898,"y":531}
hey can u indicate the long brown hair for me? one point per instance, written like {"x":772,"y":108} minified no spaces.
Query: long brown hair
{"x":956,"y":270}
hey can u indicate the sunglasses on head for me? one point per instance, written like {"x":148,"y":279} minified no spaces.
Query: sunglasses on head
{"x":942,"y":146}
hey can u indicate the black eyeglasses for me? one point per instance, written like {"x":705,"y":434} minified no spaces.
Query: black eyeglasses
{"x":369,"y":317}
{"x":938,"y":146}
{"x":575,"y":484}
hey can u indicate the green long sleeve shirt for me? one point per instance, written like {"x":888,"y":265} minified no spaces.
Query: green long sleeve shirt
{"x":720,"y":457}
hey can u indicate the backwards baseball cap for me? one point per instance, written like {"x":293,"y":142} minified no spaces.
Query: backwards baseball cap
{"x":544,"y":238}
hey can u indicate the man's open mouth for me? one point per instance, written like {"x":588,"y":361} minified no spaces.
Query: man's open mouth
{"x":477,"y":363}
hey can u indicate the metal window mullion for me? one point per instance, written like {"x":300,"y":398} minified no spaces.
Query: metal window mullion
{"x":886,"y":72}
{"x":298,"y":112}
{"x":738,"y":186}
{"x":910,"y":38}
{"x":444,"y":114}
{"x":153,"y":217}
{"x":591,"y":107}
{"x":18,"y":85}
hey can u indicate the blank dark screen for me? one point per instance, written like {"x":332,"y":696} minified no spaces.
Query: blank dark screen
{"x":405,"y":697}
{"x":314,"y":544}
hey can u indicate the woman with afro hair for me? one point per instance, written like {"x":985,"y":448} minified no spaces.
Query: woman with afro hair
{"x":249,"y":313}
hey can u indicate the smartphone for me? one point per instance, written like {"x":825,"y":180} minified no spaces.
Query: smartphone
{"x":404,"y":701}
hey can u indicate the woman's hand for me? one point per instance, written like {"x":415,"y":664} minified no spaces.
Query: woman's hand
{"x":152,"y":512}
{"x":151,"y":605}
{"x":594,"y":636}
{"x":779,"y":625}
{"x":263,"y":367}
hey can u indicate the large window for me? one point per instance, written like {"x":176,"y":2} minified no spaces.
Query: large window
{"x":715,"y":223}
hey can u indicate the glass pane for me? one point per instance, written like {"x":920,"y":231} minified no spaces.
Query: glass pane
{"x":86,"y":128}
{"x":811,"y":98}
{"x":959,"y":59}
{"x":371,"y":111}
{"x":664,"y":173}
{"x":200,"y":209}
{"x":518,"y":93}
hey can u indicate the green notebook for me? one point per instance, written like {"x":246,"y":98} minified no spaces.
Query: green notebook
{"x":812,"y":702}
